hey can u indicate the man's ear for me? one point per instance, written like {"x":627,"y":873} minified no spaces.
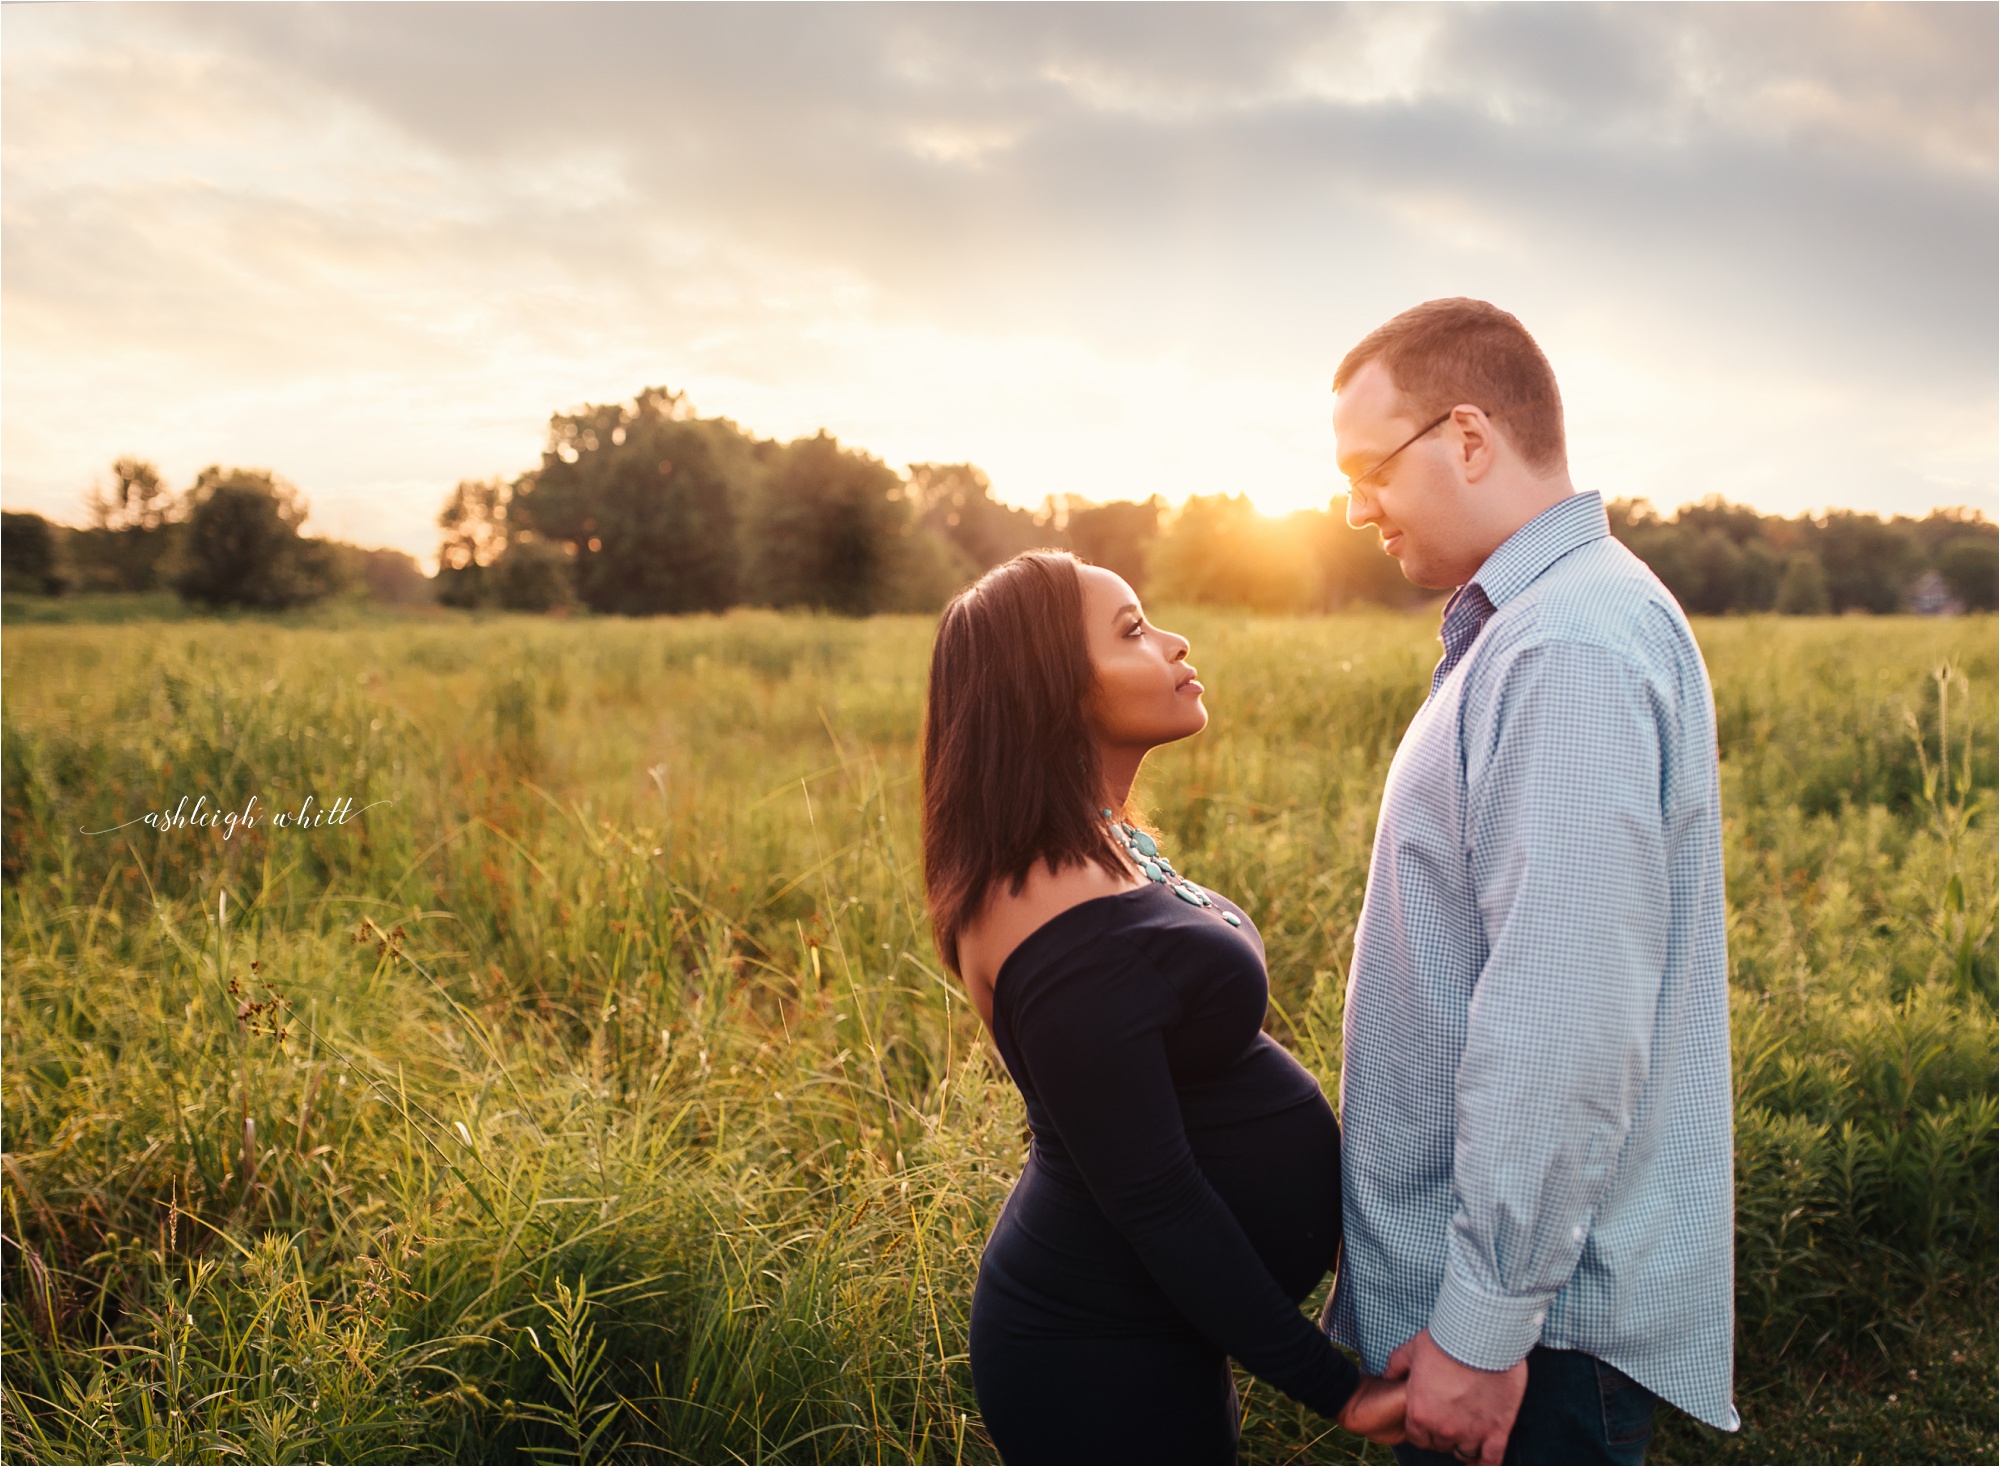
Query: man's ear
{"x":1479,"y":442}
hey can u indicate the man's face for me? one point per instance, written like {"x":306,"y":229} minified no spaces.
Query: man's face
{"x":1420,"y":501}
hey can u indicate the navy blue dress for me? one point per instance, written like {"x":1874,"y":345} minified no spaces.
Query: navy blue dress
{"x":1181,"y":1196}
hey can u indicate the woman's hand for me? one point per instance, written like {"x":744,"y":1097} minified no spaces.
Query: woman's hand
{"x":1375,"y":1410}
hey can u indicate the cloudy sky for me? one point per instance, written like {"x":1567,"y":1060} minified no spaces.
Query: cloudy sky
{"x":1100,"y":250}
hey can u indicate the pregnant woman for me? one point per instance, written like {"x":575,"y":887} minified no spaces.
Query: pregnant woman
{"x":1182,"y":1192}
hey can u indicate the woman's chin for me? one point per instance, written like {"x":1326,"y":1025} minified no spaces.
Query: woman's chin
{"x":1186,"y":722}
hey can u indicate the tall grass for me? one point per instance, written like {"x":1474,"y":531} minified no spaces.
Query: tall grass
{"x":596,"y":1093}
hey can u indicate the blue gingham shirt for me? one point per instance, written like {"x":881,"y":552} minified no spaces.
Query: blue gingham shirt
{"x":1536,"y":1090}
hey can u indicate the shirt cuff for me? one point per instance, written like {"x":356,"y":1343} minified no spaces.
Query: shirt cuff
{"x":1485,"y":1331}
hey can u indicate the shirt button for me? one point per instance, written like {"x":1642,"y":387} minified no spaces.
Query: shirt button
{"x":1540,"y":1315}
{"x":1576,"y":1234}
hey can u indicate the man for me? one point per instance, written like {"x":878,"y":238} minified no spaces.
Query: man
{"x":1537,"y":1166}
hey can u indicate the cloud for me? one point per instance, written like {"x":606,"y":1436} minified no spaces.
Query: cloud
{"x":381,"y":243}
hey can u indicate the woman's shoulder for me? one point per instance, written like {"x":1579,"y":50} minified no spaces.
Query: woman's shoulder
{"x":1148,"y":933}
{"x":1009,"y":917}
{"x":1100,"y":968}
{"x":1085,"y":934}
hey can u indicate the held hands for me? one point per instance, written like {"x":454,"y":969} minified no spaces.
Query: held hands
{"x":1375,"y":1410}
{"x":1451,"y":1406}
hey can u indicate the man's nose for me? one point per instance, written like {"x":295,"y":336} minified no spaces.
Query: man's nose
{"x":1361,"y":513}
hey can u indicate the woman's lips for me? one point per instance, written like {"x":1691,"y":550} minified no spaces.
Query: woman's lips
{"x":1193,"y":684}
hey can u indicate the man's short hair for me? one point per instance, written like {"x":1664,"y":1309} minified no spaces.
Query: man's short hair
{"x":1446,"y":352}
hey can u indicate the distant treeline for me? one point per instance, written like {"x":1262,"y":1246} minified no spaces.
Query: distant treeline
{"x":644,"y":508}
{"x":231,"y":539}
{"x":1718,"y":558}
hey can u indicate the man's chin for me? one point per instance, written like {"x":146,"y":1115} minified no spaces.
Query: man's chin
{"x":1424,"y":577}
{"x":1396,"y":546}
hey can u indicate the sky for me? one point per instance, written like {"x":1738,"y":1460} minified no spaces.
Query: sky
{"x":1108,"y":251}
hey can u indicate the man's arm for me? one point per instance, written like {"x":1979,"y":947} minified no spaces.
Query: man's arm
{"x":1568,"y":850}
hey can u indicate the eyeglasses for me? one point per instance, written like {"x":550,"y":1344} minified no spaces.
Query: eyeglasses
{"x":1359,"y":479}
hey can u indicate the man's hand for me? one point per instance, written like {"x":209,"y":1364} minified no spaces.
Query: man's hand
{"x":1453,"y":1407}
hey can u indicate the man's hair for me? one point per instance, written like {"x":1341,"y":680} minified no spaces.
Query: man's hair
{"x":1446,"y":352}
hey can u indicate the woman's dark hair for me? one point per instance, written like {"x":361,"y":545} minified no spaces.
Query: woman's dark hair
{"x":1011,"y":776}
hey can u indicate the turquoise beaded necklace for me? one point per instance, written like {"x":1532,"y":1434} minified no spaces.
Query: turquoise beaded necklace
{"x":1145,"y":853}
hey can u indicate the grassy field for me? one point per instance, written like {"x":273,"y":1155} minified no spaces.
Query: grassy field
{"x":595,"y":1092}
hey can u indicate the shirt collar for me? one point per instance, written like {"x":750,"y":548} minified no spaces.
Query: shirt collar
{"x":1540,"y":543}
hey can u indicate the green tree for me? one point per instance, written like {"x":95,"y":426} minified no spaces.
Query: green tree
{"x":833,"y":528}
{"x":1116,"y":536}
{"x":388,"y":577}
{"x":956,"y":504}
{"x":1758,"y":577}
{"x":243,"y":546}
{"x":1970,"y":566}
{"x":646,"y":498}
{"x":1802,"y":591}
{"x":1719,"y":565}
{"x":1942,"y":526}
{"x":474,"y":521}
{"x":534,"y":575}
{"x":30,"y":558}
{"x":656,"y":510}
{"x":138,"y":498}
{"x":1714,"y":556}
{"x":132,"y":533}
{"x":1870,"y":564}
{"x":1671,"y":554}
{"x":1739,"y":523}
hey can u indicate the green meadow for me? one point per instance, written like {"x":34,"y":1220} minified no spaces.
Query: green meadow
{"x":594,"y":1093}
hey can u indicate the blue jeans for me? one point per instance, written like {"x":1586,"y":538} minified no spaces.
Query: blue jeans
{"x":1576,"y":1409}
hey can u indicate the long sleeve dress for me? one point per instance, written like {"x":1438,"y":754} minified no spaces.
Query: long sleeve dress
{"x":1180,"y":1199}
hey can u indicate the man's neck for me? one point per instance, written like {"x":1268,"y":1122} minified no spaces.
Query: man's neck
{"x":1518,"y":504}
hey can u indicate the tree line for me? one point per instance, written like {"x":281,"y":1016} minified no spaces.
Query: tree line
{"x":1718,"y":558}
{"x":645,"y":508}
{"x":230,"y":539}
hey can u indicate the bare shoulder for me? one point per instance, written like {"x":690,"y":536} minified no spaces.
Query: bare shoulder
{"x":1008,"y":917}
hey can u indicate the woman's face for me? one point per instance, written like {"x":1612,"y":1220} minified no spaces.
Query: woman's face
{"x":1146,"y":693}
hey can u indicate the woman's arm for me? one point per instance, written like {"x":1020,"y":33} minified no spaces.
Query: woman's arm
{"x":1092,"y":1037}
